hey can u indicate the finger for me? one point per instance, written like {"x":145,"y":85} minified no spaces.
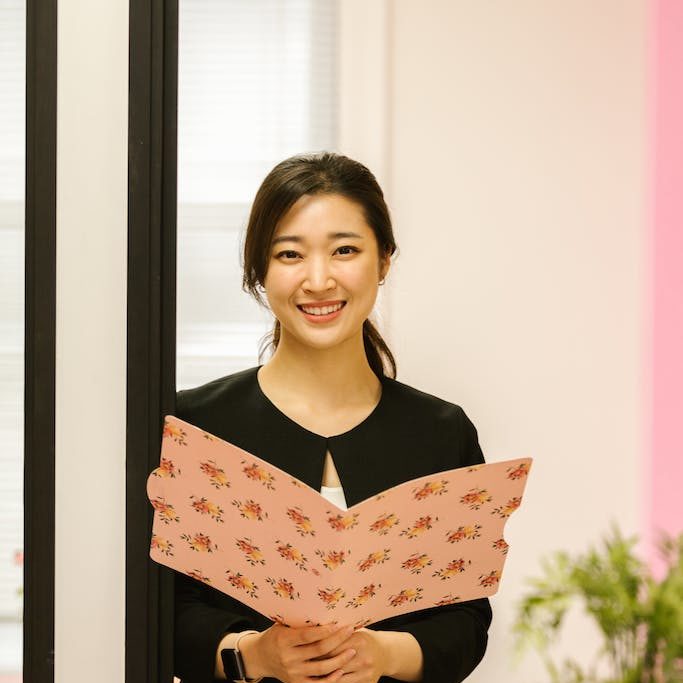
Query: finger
{"x":323,"y":647}
{"x":323,"y":667}
{"x":311,"y":634}
{"x":333,"y":677}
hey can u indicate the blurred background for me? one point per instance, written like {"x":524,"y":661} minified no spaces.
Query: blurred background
{"x":530,"y":154}
{"x":516,"y":145}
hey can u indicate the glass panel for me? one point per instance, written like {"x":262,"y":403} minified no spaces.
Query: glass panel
{"x":257,"y":83}
{"x":12,"y":145}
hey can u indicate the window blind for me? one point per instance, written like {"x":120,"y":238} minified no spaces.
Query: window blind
{"x":257,"y":83}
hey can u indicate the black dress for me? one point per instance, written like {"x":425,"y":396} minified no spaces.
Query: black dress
{"x":409,"y":434}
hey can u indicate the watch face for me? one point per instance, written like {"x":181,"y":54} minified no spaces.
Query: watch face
{"x":233,"y":666}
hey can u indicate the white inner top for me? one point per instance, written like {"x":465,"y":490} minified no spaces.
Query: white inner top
{"x":335,"y":494}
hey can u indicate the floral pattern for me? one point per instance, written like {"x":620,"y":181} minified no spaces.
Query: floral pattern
{"x":383,"y":524}
{"x":416,"y":563}
{"x":464,"y":533}
{"x":216,"y":474}
{"x":252,"y":553}
{"x":332,"y":558}
{"x":271,"y":527}
{"x":431,"y":488}
{"x":260,"y":474}
{"x":205,"y":507}
{"x":343,"y":522}
{"x":199,"y":542}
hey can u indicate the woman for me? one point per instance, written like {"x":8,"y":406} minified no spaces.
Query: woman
{"x":319,"y":243}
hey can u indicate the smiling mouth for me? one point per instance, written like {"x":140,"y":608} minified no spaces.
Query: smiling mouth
{"x":321,"y":310}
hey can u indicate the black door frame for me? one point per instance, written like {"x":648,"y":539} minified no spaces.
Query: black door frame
{"x":152,"y":163}
{"x":39,"y":341}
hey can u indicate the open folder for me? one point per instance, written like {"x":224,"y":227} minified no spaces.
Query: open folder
{"x":234,"y":521}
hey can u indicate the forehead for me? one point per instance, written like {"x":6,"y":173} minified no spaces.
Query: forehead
{"x":318,"y":215}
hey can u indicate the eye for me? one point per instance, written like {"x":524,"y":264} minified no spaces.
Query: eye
{"x":348,"y":246}
{"x":287,"y":251}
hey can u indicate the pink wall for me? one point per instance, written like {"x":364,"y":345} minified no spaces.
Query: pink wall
{"x":666,"y":344}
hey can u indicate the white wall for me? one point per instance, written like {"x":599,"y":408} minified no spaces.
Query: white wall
{"x":92,"y":162}
{"x":516,"y":178}
{"x":514,"y":167}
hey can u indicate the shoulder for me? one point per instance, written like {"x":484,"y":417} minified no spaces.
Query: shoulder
{"x":443,"y":422}
{"x":422,"y":404}
{"x":223,"y":393}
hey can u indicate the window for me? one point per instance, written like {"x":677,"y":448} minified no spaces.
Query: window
{"x":12,"y":141}
{"x":256,"y":84}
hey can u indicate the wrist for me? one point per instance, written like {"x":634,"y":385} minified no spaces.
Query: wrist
{"x":385,"y":644}
{"x":249,"y":648}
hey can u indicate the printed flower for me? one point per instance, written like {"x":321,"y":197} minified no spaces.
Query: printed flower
{"x":278,"y":619}
{"x":419,"y":526}
{"x":365,"y":594}
{"x":333,"y":558}
{"x":475,"y":468}
{"x":256,"y":472}
{"x":250,"y":509}
{"x":343,"y":522}
{"x":451,"y":569}
{"x":166,"y":512}
{"x":464,"y":533}
{"x":163,"y":545}
{"x":209,"y":437}
{"x":303,"y":523}
{"x":475,"y":498}
{"x":447,"y":600}
{"x":297,"y":483}
{"x":416,"y":563}
{"x":501,"y":545}
{"x":518,"y":472}
{"x":166,"y":469}
{"x":216,"y":474}
{"x":430,"y":488}
{"x":289,"y":552}
{"x":406,"y":595}
{"x":490,"y":579}
{"x":331,"y":596}
{"x":175,"y":433}
{"x":362,"y":623}
{"x":238,"y":580}
{"x":205,"y":507}
{"x":509,"y":507}
{"x":378,"y":557}
{"x":283,"y":588}
{"x":383,"y":523}
{"x":199,"y":542}
{"x":196,"y":574}
{"x":251,"y":552}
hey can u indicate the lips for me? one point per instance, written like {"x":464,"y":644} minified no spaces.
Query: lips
{"x":322,"y":317}
{"x":320,"y":304}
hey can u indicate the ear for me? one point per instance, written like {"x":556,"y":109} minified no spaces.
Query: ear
{"x":384,"y":266}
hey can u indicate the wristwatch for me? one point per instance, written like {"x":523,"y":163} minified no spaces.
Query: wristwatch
{"x":233,"y":664}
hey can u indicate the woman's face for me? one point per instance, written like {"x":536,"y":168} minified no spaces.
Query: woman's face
{"x":323,"y":254}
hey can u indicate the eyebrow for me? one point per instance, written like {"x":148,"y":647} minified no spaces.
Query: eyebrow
{"x":330,"y":235}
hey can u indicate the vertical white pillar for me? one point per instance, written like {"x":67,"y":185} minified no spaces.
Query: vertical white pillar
{"x":92,"y":161}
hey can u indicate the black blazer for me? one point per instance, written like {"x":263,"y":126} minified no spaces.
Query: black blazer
{"x":409,"y":434}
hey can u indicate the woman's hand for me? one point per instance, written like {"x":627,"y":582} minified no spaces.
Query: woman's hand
{"x":295,"y":655}
{"x":371,"y":658}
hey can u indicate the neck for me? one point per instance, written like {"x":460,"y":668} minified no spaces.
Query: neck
{"x":329,"y":378}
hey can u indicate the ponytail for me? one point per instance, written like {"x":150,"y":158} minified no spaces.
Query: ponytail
{"x":376,"y":349}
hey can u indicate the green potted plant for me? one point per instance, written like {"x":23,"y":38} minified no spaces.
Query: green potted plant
{"x":640,"y":618}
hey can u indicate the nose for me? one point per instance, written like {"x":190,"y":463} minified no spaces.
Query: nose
{"x":318,"y":276}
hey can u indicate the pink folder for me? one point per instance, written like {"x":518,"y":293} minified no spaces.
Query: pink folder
{"x":225,"y":517}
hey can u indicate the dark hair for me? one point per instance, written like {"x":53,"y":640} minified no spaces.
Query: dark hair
{"x":311,"y":174}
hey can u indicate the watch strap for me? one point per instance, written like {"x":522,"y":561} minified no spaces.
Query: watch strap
{"x":233,"y":664}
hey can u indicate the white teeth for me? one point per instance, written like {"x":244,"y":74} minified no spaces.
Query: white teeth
{"x":322,"y":311}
